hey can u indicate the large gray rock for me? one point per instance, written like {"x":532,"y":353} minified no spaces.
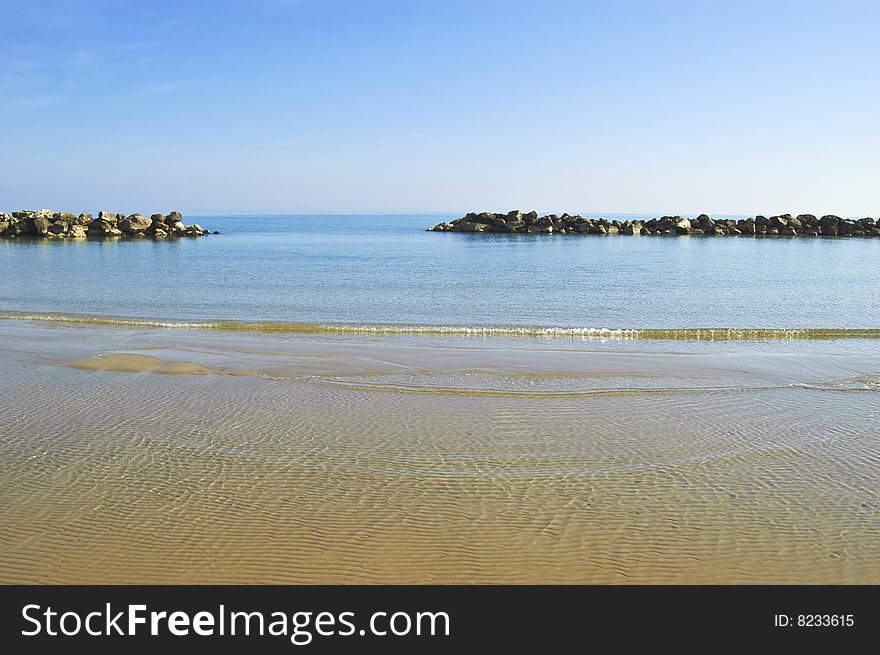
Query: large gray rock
{"x":17,"y":227}
{"x":135,"y":224}
{"x":633,"y":228}
{"x":40,"y":225}
{"x":845,"y":227}
{"x":102,"y":227}
{"x":108,"y":217}
{"x":66,"y":218}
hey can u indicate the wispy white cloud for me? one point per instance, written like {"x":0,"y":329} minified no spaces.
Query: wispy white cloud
{"x":162,"y":88}
{"x":25,"y":103}
{"x":27,"y":58}
{"x":423,"y":145}
{"x":275,"y":5}
{"x":82,"y":58}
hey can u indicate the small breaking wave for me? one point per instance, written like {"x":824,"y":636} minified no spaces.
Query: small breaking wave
{"x":586,"y":333}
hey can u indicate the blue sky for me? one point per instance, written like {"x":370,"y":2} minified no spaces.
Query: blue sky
{"x":401,"y":105}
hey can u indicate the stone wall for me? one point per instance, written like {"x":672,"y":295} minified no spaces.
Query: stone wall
{"x":517,"y":222}
{"x":44,"y":223}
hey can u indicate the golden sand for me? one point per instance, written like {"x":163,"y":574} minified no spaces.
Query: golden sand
{"x":132,"y":363}
{"x":388,"y":461}
{"x":183,"y":368}
{"x":125,"y":363}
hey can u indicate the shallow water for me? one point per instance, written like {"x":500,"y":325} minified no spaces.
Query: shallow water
{"x":402,"y":458}
{"x":386,"y":270}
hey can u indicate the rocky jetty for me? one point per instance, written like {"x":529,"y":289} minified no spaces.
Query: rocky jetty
{"x":44,"y":223}
{"x":517,"y":222}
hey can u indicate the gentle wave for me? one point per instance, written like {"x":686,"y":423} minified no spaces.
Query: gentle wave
{"x":672,"y":334}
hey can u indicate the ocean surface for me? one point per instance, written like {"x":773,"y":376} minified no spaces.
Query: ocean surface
{"x":385,"y":270}
{"x":352,"y":399}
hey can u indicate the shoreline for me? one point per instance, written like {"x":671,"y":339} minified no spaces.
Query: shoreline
{"x":281,"y":355}
{"x":548,"y":332}
{"x":438,"y":363}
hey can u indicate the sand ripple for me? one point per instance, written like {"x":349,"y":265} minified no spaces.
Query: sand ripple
{"x":119,"y":477}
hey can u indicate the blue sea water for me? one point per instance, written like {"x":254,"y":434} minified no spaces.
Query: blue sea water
{"x":387,"y":270}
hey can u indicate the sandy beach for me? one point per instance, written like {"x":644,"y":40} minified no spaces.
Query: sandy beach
{"x":173,"y":455}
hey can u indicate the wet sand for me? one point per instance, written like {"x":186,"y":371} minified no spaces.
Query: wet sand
{"x":127,"y":363}
{"x":147,"y":455}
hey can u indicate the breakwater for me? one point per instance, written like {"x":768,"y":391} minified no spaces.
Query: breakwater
{"x":48,"y":224}
{"x":517,"y":222}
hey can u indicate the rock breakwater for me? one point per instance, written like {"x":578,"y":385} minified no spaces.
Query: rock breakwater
{"x":517,"y":222}
{"x":48,"y":224}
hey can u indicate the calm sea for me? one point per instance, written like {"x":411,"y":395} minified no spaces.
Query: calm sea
{"x":386,"y":270}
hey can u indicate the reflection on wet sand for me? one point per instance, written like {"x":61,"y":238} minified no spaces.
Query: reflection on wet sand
{"x":307,"y":458}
